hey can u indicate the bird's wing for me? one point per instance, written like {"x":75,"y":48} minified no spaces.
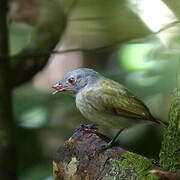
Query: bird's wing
{"x":112,"y":98}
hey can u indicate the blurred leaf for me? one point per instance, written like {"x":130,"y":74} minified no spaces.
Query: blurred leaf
{"x":20,"y":36}
{"x":134,"y":56}
{"x":43,"y":33}
{"x":52,"y":22}
{"x":29,"y":107}
{"x":38,"y":172}
{"x":34,"y":118}
{"x":94,"y":23}
{"x":174,"y":6}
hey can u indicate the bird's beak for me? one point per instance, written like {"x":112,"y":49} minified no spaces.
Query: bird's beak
{"x":59,"y":87}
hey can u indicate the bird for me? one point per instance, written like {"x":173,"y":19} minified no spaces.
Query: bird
{"x":104,"y":101}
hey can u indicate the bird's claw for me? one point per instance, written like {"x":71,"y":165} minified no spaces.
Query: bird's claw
{"x":91,"y":126}
{"x":87,"y":126}
{"x":79,"y":127}
{"x":105,"y":146}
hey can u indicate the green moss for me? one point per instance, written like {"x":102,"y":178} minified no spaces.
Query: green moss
{"x":131,"y":167}
{"x":170,"y":154}
{"x":140,"y":165}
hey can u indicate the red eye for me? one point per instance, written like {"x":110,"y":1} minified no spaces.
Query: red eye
{"x":71,"y":80}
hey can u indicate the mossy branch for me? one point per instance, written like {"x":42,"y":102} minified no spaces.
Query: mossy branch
{"x":79,"y":159}
{"x":170,"y":151}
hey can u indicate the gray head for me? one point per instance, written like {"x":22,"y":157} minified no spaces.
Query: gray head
{"x":76,"y":80}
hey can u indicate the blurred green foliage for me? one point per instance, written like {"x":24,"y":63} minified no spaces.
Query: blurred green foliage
{"x":39,"y":113}
{"x":20,"y":36}
{"x":147,"y":68}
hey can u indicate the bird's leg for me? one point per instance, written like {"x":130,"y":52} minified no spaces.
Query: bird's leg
{"x":109,"y":144}
{"x":88,"y":126}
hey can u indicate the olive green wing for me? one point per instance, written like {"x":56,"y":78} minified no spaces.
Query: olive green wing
{"x":112,"y":98}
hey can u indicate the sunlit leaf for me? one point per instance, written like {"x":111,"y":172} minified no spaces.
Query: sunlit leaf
{"x":99,"y":23}
{"x":134,"y":56}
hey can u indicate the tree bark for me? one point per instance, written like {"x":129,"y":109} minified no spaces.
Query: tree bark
{"x":7,"y":128}
{"x":80,"y":158}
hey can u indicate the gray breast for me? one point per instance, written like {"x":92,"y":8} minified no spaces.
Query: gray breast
{"x":84,"y":107}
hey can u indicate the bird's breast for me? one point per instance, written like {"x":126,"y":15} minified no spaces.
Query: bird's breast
{"x":99,"y":117}
{"x":86,"y":110}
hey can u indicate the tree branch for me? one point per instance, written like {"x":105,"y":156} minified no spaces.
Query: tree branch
{"x":26,"y":55}
{"x":166,"y":27}
{"x":166,"y":174}
{"x":79,"y":159}
{"x":7,"y":127}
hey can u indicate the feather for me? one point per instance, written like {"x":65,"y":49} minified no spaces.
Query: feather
{"x":112,"y":98}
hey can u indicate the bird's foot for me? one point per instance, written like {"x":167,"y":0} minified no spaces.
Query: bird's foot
{"x":110,"y":143}
{"x":91,"y":126}
{"x":87,"y":126}
{"x":106,"y":146}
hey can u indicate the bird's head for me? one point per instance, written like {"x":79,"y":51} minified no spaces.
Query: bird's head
{"x":74,"y":81}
